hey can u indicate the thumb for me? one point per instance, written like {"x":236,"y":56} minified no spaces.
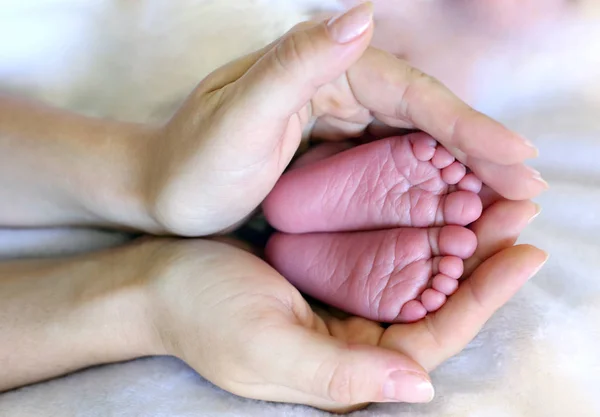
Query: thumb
{"x":318,"y":370}
{"x":288,"y":75}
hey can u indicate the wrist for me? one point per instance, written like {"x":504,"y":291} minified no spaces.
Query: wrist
{"x":67,"y":314}
{"x":120,"y":195}
{"x":110,"y":303}
{"x":67,"y":169}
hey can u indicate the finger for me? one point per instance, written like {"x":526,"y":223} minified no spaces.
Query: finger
{"x":338,"y":374}
{"x":320,"y":152}
{"x":488,"y":196}
{"x":284,"y":80}
{"x":380,"y":130}
{"x":331,"y":128}
{"x":446,"y":332}
{"x":402,"y":96}
{"x":515,"y":182}
{"x":499,"y":228}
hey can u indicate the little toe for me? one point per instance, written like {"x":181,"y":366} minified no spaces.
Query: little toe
{"x":444,"y":284}
{"x":455,"y":241}
{"x":470,"y":182}
{"x":412,"y":311}
{"x":432,"y":300}
{"x":453,"y":173}
{"x":462,"y":208}
{"x":442,"y":158}
{"x":451,"y":266}
{"x":423,"y":147}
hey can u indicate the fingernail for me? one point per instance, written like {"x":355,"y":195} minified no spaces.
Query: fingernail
{"x":538,"y":210}
{"x":408,"y":387}
{"x":538,"y":177}
{"x":529,"y":144}
{"x":534,"y":273}
{"x":351,"y":24}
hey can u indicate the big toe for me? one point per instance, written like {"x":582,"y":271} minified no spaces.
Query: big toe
{"x":461,"y":208}
{"x":453,"y":241}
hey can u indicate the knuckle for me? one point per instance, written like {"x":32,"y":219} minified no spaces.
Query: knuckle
{"x":341,"y":387}
{"x":292,"y":53}
{"x":415,"y":83}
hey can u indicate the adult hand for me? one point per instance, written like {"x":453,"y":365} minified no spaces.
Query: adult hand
{"x":241,"y":324}
{"x":246,"y":329}
{"x":223,"y":151}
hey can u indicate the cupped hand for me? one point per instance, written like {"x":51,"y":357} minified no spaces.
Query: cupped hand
{"x":225,"y":148}
{"x":245,"y":328}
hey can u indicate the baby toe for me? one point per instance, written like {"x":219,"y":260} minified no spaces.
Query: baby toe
{"x":444,"y":284}
{"x":470,"y":182}
{"x":442,"y":158}
{"x":412,"y":311}
{"x":453,"y":173}
{"x":423,"y":147}
{"x":456,"y":241}
{"x":432,"y":300}
{"x":462,"y":208}
{"x":451,"y":266}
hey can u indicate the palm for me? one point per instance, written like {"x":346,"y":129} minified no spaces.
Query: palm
{"x":495,"y":273}
{"x":442,"y":334}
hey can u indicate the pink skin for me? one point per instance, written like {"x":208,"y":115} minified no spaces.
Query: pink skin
{"x":383,"y":275}
{"x":397,"y":274}
{"x":394,"y":182}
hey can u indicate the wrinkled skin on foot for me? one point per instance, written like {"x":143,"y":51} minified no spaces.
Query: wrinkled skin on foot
{"x":393,"y":182}
{"x":389,"y":265}
{"x":268,"y":343}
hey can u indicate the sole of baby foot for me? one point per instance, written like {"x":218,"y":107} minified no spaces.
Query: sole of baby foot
{"x":408,"y":181}
{"x":395,"y":276}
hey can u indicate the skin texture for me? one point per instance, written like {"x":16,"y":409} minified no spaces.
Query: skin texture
{"x":222,"y":310}
{"x":189,"y":177}
{"x":228,"y":315}
{"x":382,"y":275}
{"x":391,"y":267}
{"x":378,"y":185}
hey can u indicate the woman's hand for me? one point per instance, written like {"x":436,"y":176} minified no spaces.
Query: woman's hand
{"x":220,"y":155}
{"x":241,"y":324}
{"x":223,"y":151}
{"x":246,"y":329}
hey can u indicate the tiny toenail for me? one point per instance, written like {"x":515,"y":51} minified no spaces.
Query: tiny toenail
{"x":538,"y":210}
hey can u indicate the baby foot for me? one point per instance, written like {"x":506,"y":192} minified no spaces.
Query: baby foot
{"x":396,"y":275}
{"x":404,"y":181}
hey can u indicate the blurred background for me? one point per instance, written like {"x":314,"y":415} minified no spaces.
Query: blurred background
{"x":533,"y":64}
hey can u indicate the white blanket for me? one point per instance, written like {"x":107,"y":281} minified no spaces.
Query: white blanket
{"x":538,"y":357}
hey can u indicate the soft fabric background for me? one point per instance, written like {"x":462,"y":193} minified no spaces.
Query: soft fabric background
{"x":538,"y":357}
